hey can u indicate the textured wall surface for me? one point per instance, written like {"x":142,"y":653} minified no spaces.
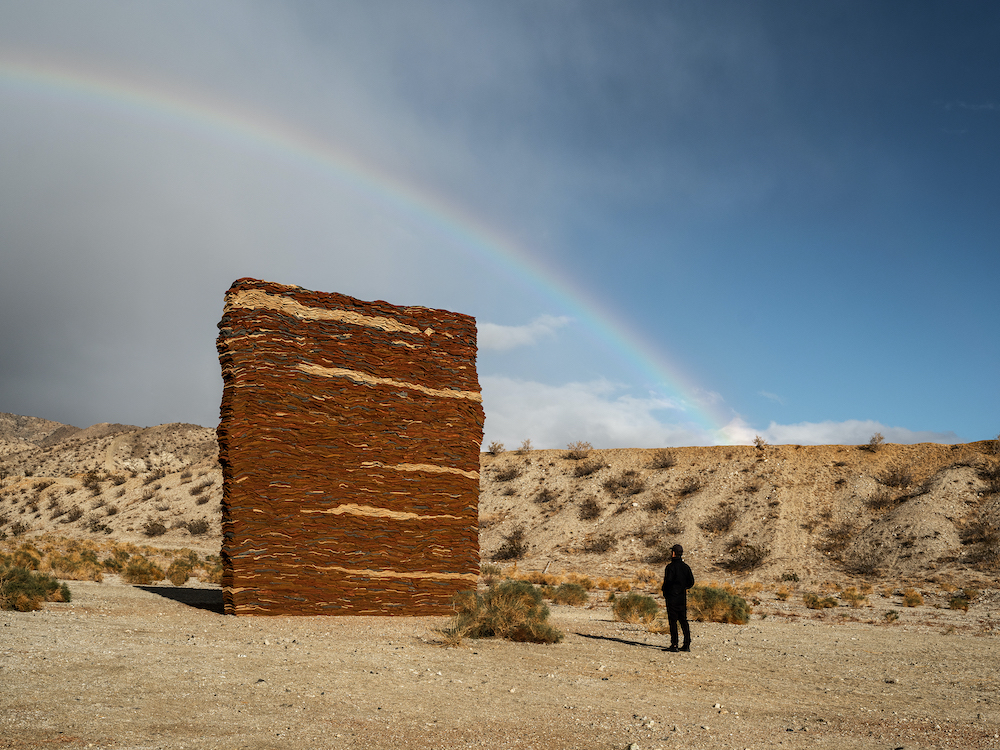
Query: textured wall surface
{"x":349,"y":443}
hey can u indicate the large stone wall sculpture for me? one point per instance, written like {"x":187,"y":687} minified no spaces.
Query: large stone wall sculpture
{"x":349,"y":441}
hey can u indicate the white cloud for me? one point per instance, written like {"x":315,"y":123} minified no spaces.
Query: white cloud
{"x":494,"y":336}
{"x":771,"y":396}
{"x":848,"y":432}
{"x":597,"y":412}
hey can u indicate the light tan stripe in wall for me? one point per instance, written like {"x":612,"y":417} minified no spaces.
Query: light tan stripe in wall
{"x":423,"y":467}
{"x":353,"y":509}
{"x":254,"y":299}
{"x":363,"y":377}
{"x":393,"y":574}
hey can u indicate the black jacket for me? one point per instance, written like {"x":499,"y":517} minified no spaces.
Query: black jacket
{"x":677,"y":579}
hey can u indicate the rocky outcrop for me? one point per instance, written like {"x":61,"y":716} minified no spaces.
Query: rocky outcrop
{"x":349,"y":441}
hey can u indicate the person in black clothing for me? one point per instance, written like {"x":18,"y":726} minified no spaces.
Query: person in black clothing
{"x":677,"y":579}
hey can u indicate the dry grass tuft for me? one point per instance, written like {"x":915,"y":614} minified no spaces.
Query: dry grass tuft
{"x":661,"y":459}
{"x":634,"y":607}
{"x":589,"y":510}
{"x":509,"y":609}
{"x":713,"y":604}
{"x":578,"y":451}
{"x":720,"y":520}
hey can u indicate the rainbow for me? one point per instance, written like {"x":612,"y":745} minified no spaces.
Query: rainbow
{"x":276,"y":140}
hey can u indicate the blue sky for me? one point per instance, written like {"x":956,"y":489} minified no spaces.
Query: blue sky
{"x":676,"y":223}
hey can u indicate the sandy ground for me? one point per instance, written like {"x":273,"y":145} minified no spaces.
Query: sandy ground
{"x":160,"y":667}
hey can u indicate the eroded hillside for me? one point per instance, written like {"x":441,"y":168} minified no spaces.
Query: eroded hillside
{"x":904,"y":512}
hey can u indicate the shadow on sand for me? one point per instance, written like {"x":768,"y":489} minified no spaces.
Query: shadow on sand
{"x":658,"y":647}
{"x":207,"y":599}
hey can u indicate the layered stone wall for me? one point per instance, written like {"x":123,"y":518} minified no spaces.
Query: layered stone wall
{"x":349,"y":441}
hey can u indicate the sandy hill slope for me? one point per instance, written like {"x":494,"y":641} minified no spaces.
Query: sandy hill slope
{"x":904,"y":512}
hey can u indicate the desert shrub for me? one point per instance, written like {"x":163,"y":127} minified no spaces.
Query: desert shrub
{"x":689,"y":487}
{"x":154,"y":527}
{"x":198,"y":527}
{"x":509,"y":609}
{"x":836,"y":538}
{"x":578,"y":451}
{"x":201,"y":487}
{"x":545,"y":495}
{"x":589,"y":509}
{"x":570,"y":593}
{"x":656,"y":505}
{"x":661,"y":459}
{"x":983,"y":536}
{"x":585,"y":581}
{"x":179,"y":572}
{"x":212,"y":567}
{"x":892,"y":615}
{"x":790,"y":576}
{"x":660,"y":554}
{"x":141,"y":570}
{"x":959,"y":601}
{"x":853,"y":597}
{"x":815,"y":601}
{"x":759,"y":443}
{"x":875,"y":443}
{"x":713,"y":604}
{"x":990,"y":475}
{"x":625,"y":484}
{"x":490,"y":572}
{"x":863,"y":560}
{"x":18,"y":528}
{"x":782,"y":593}
{"x":514,"y":546}
{"x":598,"y":545}
{"x":912,"y":598}
{"x":634,"y":607}
{"x":745,"y":557}
{"x":111,"y":510}
{"x":96,"y":526}
{"x":588,"y":467}
{"x":72,"y":515}
{"x":495,"y":448}
{"x":895,"y":476}
{"x":25,"y":590}
{"x":154,"y":475}
{"x":507,"y":472}
{"x":26,"y":557}
{"x":720,"y":520}
{"x":882,"y":500}
{"x":524,"y":447}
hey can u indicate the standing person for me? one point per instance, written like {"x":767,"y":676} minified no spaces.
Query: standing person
{"x":677,"y":579}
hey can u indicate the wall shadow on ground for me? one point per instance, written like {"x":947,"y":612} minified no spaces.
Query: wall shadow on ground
{"x":209,"y":600}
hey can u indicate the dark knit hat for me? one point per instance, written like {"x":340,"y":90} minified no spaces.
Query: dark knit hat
{"x":678,"y":549}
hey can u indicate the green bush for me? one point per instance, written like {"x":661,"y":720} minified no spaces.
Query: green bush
{"x":179,"y":572}
{"x":711,"y":604}
{"x":142,"y":571}
{"x":570,"y":593}
{"x":509,"y":609}
{"x":815,"y":601}
{"x":25,"y":590}
{"x":634,"y":607}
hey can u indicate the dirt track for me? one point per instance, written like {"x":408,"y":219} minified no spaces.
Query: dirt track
{"x":159,"y":667}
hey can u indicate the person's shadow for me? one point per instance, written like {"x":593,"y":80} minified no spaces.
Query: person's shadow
{"x":208,"y":599}
{"x":658,"y":647}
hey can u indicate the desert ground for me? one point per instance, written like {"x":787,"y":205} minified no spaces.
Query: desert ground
{"x":159,"y":666}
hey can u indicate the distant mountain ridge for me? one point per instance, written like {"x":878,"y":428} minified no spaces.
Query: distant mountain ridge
{"x":14,"y":427}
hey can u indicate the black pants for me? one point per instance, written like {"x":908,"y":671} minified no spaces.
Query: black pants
{"x":678,"y":614}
